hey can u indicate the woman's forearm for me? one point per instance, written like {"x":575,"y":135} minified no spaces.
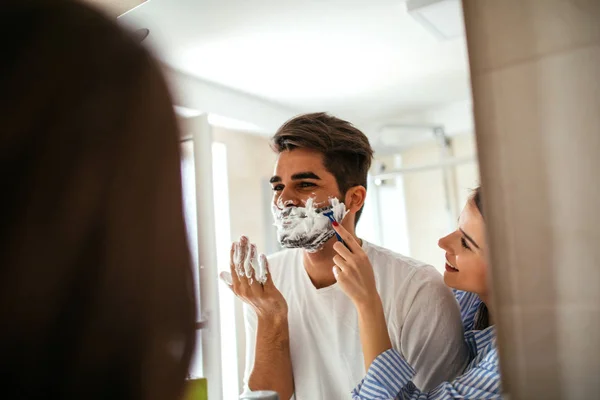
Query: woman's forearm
{"x":374,"y":335}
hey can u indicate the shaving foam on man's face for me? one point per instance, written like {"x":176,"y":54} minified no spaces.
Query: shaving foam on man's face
{"x":306,"y":227}
{"x":301,"y":188}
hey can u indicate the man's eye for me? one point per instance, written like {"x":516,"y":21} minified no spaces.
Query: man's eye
{"x":277,"y":188}
{"x":307,"y":184}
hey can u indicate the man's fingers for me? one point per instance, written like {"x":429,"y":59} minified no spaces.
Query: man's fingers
{"x":264,"y":266}
{"x":243,"y":251}
{"x":232,"y":266}
{"x":247,"y":259}
{"x":226,"y":278}
{"x":261,"y":269}
{"x":251,"y":263}
{"x":237,"y":259}
{"x":255,"y":286}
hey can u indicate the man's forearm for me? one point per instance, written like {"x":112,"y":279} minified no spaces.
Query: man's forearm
{"x":272,"y":362}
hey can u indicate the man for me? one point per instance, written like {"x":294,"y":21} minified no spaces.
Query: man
{"x":302,"y":331}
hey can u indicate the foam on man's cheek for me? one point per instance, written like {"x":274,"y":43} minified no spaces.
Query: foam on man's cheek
{"x":306,"y":226}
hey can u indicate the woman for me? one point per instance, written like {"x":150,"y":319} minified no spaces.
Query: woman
{"x":389,"y":375}
{"x":96,"y":287}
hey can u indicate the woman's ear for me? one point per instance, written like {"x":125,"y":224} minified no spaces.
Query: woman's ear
{"x":355,"y":198}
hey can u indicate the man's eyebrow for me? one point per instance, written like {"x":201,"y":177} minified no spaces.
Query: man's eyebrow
{"x":470,"y":239}
{"x":305,"y":175}
{"x":275,"y":179}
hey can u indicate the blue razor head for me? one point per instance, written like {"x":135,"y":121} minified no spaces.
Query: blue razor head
{"x":329,"y":214}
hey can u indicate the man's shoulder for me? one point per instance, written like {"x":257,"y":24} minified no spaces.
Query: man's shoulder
{"x":388,"y":260}
{"x":403,"y":272}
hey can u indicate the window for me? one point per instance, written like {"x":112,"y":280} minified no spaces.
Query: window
{"x":229,"y":351}
{"x":188,"y":177}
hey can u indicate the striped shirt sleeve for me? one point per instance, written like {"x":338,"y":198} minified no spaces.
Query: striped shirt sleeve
{"x":389,"y":377}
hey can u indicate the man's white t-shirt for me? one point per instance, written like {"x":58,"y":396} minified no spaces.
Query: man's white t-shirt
{"x":422,"y":315}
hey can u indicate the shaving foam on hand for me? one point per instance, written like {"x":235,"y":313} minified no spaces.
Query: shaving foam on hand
{"x":237,"y":258}
{"x":250,"y":260}
{"x":226,"y":277}
{"x":261,"y":273}
{"x":247,"y":263}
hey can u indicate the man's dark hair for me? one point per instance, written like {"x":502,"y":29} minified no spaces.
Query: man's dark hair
{"x":347,"y":153}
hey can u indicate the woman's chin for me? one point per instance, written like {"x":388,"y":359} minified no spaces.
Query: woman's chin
{"x":450,"y":279}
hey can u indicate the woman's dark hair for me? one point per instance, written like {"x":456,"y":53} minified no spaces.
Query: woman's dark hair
{"x":96,"y":290}
{"x":477,"y":199}
{"x":482,"y":318}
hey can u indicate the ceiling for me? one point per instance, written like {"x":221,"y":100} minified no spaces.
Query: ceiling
{"x":366,"y":60}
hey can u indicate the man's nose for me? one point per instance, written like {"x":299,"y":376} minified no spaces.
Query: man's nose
{"x":287,"y":198}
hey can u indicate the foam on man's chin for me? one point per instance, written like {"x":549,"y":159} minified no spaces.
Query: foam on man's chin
{"x":307,"y":227}
{"x":311,"y":244}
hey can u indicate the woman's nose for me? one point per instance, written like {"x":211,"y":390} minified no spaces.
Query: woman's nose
{"x":444,"y":243}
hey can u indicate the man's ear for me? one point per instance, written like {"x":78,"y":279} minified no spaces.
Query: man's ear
{"x":355,"y":198}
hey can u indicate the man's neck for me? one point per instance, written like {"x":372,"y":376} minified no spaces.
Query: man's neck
{"x":319,"y":265}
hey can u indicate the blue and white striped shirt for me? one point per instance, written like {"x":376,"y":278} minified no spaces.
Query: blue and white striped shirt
{"x":390,"y":376}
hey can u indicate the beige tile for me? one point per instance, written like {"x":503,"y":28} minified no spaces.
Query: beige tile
{"x":571,"y":101}
{"x":579,"y":350}
{"x":541,"y":349}
{"x":509,"y":344}
{"x":578,"y":266}
{"x":523,"y":118}
{"x":503,"y":279}
{"x":510,"y":31}
{"x":550,"y":352}
{"x":515,"y":247}
{"x":539,"y":363}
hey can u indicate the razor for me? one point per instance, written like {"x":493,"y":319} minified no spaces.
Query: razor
{"x":329,"y":214}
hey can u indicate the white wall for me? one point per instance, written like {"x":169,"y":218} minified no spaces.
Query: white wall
{"x":250,"y":163}
{"x":427,"y":218}
{"x":467,"y":175}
